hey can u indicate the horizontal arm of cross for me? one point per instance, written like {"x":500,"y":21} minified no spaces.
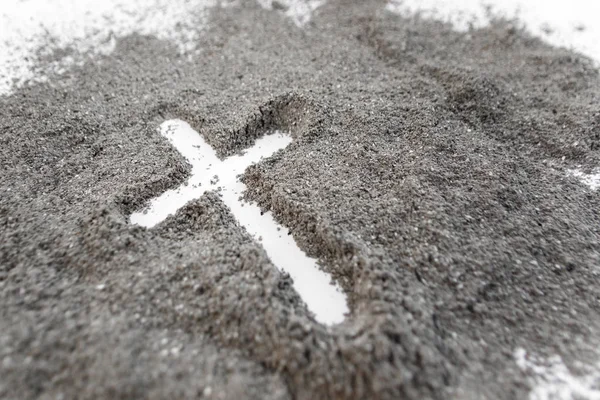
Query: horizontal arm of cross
{"x":208,"y":171}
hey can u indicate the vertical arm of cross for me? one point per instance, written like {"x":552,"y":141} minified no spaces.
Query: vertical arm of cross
{"x":190,"y":144}
{"x":203,"y":160}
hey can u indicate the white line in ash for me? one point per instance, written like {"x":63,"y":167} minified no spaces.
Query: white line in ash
{"x":324,"y":299}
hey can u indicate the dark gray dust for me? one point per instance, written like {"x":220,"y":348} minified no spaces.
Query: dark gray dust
{"x":428,"y":175}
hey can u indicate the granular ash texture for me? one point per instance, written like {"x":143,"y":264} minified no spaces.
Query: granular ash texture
{"x":428,"y":174}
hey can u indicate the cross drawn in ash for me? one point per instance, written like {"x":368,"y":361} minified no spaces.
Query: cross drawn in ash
{"x":326,"y":301}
